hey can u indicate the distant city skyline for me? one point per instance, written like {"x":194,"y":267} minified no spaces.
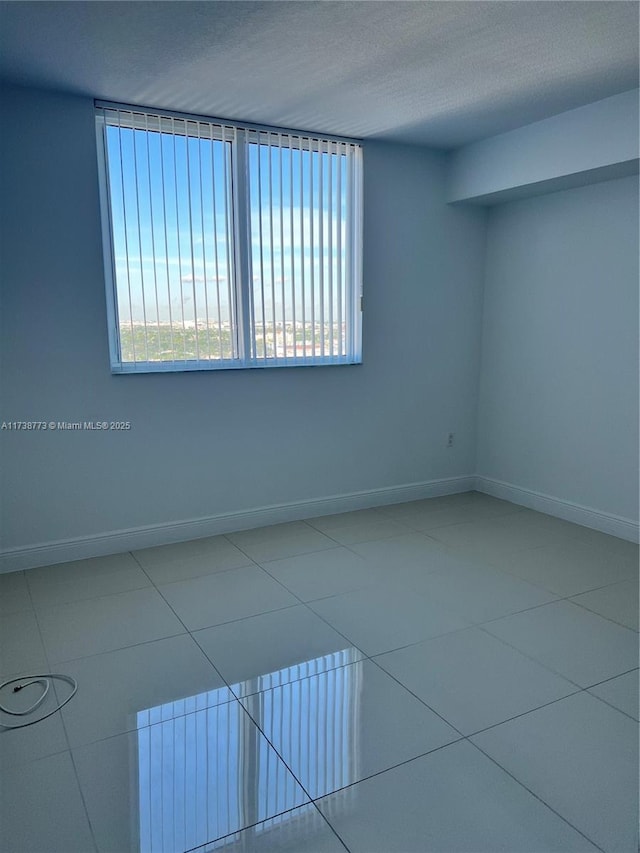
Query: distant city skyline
{"x":173,"y":240}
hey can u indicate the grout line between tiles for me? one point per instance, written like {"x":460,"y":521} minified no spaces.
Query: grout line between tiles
{"x":489,"y":566}
{"x":601,"y":615}
{"x":365,"y":657}
{"x":237,"y":699}
{"x":569,"y":600}
{"x":187,"y":631}
{"x":468,"y":739}
{"x":234,"y":699}
{"x":392,"y":767}
{"x":364,"y":778}
{"x":300,"y":783}
{"x":559,"y":595}
{"x":575,"y":692}
{"x":457,"y":630}
{"x":308,"y":605}
{"x":119,"y":649}
{"x":613,"y":707}
{"x":331,"y":827}
{"x":612,"y":678}
{"x":530,"y":657}
{"x":277,"y":752}
{"x":191,"y":631}
{"x":534,"y":659}
{"x":300,"y":554}
{"x":289,"y":769}
{"x":606,"y":701}
{"x":580,"y":688}
{"x":539,"y":798}
{"x":457,"y":523}
{"x":526,"y":713}
{"x":41,"y":608}
{"x":443,"y":546}
{"x":64,"y":728}
{"x":195,"y":577}
{"x":139,"y":728}
{"x":201,"y":847}
{"x":404,"y":686}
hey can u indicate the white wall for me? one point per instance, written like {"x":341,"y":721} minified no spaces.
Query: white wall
{"x":592,"y":143}
{"x":558,"y":409}
{"x":202,"y":444}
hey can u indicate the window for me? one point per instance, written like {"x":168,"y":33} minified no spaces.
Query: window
{"x":228,"y":246}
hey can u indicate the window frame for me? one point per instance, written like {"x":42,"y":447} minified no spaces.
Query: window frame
{"x":240,"y":137}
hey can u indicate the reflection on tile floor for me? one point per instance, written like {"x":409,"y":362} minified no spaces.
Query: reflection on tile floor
{"x":454,"y":674}
{"x":178,"y":784}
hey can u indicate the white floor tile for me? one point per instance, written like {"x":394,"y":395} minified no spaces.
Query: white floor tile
{"x":104,"y":624}
{"x":381,"y":618}
{"x":497,"y":505}
{"x":455,"y":597}
{"x":530,"y":519}
{"x":341,"y":726}
{"x":493,"y":538}
{"x":301,"y":830}
{"x":82,"y":579}
{"x":620,"y":692}
{"x":226,"y":596}
{"x":329,"y":523}
{"x":454,"y":800}
{"x":428,"y":519}
{"x":570,"y":567}
{"x":618,"y":602}
{"x":400,"y":510}
{"x":396,"y":561}
{"x":409,"y":549}
{"x":269,"y":533}
{"x":479,"y":594}
{"x":14,"y":593}
{"x":280,"y":540}
{"x":184,"y":560}
{"x":42,"y":810}
{"x":21,"y":649}
{"x":474,"y":680}
{"x":580,"y":645}
{"x":178,"y":785}
{"x":117,"y":688}
{"x":580,"y":757}
{"x":598,"y":539}
{"x":383,"y":528}
{"x":322,"y":573}
{"x":274,"y":648}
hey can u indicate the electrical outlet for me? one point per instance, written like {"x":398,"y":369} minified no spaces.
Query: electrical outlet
{"x":450,"y":437}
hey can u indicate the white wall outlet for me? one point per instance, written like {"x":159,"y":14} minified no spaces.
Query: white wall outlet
{"x":450,"y":437}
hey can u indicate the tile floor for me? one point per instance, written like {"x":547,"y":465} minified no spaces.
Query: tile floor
{"x":455,"y":674}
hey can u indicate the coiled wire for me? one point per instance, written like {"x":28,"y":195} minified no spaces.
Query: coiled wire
{"x":45,"y":680}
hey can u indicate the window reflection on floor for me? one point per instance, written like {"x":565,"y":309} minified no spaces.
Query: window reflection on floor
{"x":205,"y":771}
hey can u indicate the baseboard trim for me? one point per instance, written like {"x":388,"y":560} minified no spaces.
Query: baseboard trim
{"x":119,"y":541}
{"x":616,"y":525}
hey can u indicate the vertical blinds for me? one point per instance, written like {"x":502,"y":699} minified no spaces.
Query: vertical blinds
{"x":204,"y":770}
{"x":230,"y":246}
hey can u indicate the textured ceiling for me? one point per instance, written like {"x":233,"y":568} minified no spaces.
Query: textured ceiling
{"x":436,"y":73}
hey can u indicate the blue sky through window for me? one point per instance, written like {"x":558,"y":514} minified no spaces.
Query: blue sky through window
{"x":171,"y":203}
